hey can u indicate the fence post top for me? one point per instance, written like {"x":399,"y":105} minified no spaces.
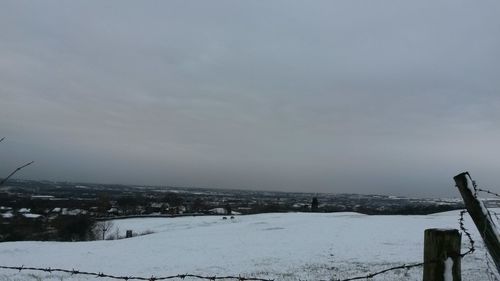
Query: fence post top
{"x":443,"y":230}
{"x":462,"y":175}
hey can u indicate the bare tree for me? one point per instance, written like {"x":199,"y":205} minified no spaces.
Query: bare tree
{"x":102,"y":228}
{"x":3,"y":181}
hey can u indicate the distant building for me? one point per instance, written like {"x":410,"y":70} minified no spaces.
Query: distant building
{"x":24,"y":210}
{"x":42,"y":197}
{"x":218,"y":211}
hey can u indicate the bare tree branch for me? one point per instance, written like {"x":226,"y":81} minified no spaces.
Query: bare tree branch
{"x":102,"y":228}
{"x":15,"y":171}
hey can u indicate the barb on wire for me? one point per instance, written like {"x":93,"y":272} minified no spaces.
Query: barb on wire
{"x":127,"y":278}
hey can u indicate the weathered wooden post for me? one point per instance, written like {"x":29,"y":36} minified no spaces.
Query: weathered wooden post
{"x":442,"y":255}
{"x":480,"y":216}
{"x":128,"y":234}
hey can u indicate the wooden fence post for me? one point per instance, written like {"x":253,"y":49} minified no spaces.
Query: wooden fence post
{"x":480,"y":216}
{"x":442,"y":255}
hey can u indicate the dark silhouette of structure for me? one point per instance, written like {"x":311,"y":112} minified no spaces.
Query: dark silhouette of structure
{"x":314,"y":204}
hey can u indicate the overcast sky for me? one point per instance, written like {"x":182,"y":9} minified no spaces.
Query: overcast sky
{"x":386,"y":97}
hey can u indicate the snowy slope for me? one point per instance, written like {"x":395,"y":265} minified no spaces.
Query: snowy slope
{"x":287,"y":246}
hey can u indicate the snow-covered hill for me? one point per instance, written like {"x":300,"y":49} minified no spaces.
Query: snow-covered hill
{"x":287,"y":246}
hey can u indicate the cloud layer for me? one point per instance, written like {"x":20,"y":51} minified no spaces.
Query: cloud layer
{"x":345,"y":96}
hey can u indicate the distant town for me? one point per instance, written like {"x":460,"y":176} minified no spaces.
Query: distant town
{"x":45,"y":210}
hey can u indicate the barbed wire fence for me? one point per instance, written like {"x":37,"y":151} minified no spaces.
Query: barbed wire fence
{"x":201,"y":277}
{"x":127,"y":278}
{"x":367,"y":276}
{"x":491,"y":271}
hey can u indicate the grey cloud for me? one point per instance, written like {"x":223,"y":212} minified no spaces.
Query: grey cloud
{"x":354,"y":96}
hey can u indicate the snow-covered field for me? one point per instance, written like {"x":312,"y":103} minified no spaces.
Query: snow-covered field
{"x":289,"y":246}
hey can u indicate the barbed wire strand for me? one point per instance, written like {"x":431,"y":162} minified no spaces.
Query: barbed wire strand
{"x":372,"y":275}
{"x":127,"y":278}
{"x":489,"y":192}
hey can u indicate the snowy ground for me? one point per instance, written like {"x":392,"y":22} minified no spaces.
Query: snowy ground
{"x":289,"y":246}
